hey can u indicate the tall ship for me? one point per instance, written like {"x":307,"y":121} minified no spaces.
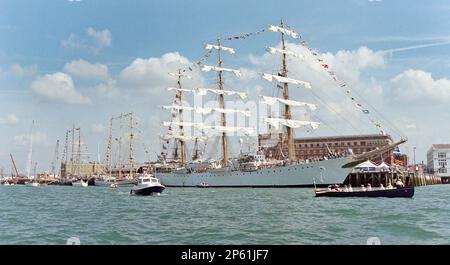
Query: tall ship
{"x":247,"y":169}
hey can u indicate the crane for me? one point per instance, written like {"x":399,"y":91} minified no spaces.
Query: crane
{"x":55,"y":157}
{"x":14,"y":164}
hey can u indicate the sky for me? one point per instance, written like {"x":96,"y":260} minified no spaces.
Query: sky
{"x":69,"y":62}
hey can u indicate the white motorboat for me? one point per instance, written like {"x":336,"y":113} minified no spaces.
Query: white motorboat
{"x":32,"y":184}
{"x":105,"y":181}
{"x":147,"y":185}
{"x":80,"y":183}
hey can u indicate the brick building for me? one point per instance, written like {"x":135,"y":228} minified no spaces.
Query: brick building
{"x":314,"y":147}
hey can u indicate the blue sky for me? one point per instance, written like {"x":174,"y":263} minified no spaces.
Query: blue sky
{"x":411,"y":86}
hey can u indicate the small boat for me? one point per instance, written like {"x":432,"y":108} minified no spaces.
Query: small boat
{"x":105,"y":181}
{"x":80,"y":183}
{"x":147,"y":185}
{"x":114,"y":186}
{"x":32,"y":184}
{"x":202,"y":185}
{"x":404,"y":192}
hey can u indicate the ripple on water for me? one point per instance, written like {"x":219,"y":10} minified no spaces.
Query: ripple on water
{"x":50,"y":215}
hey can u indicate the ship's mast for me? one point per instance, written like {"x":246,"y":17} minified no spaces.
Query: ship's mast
{"x":120,"y":146}
{"x":109,"y":148}
{"x":222,"y":106}
{"x":71,"y":153}
{"x":65,"y":155}
{"x":130,"y":146}
{"x":287,"y":109}
{"x":79,"y":152}
{"x":180,"y":113}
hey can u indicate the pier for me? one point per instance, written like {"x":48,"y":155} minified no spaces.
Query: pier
{"x":375,"y":179}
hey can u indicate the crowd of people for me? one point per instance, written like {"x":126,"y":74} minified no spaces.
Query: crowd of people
{"x":348,"y":188}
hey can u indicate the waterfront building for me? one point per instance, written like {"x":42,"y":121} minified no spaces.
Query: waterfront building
{"x":275,"y":145}
{"x":81,"y":169}
{"x":438,"y":160}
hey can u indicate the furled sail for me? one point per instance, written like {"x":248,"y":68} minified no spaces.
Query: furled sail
{"x":207,"y":68}
{"x":178,"y":74}
{"x":181,"y":89}
{"x":245,"y":130}
{"x":203,"y":91}
{"x":217,"y":47}
{"x":276,"y":122}
{"x":186,"y":124}
{"x":274,"y":50}
{"x":282,"y":79}
{"x":183,"y":138}
{"x":206,"y":110}
{"x":291,"y":33}
{"x":243,"y":112}
{"x":271,"y":100}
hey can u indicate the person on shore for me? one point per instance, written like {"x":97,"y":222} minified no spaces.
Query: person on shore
{"x":363,"y":188}
{"x":345,"y":188}
{"x":350,"y":189}
{"x":369,"y":187}
{"x":382,"y":187}
{"x":389,"y":186}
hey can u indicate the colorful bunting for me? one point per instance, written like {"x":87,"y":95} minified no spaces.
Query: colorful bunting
{"x":341,"y":84}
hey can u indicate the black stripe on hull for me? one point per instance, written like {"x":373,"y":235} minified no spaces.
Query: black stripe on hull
{"x":147,"y":191}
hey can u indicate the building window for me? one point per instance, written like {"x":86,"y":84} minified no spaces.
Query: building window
{"x":442,"y":155}
{"x":443,"y":170}
{"x":355,"y":143}
{"x":363,"y":143}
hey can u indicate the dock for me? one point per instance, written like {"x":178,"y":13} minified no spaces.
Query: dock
{"x":375,"y":179}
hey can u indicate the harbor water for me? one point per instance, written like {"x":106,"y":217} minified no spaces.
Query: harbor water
{"x":96,"y":215}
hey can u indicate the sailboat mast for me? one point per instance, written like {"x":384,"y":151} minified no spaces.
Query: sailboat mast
{"x":79,"y":152}
{"x":109,"y":148}
{"x":131,"y":151}
{"x":71,"y":153}
{"x":180,"y":113}
{"x":222,"y":106}
{"x":287,"y":109}
{"x":65,"y":154}
{"x":120,"y":146}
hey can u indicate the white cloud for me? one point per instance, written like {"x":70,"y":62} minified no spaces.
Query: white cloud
{"x":59,"y":87}
{"x":97,"y":128}
{"x":417,"y":85}
{"x":151,"y":75}
{"x":103,"y":38}
{"x":9,"y":119}
{"x":18,"y":70}
{"x":95,"y":41}
{"x":86,"y":70}
{"x":24,"y":139}
{"x":74,"y":42}
{"x":108,"y":89}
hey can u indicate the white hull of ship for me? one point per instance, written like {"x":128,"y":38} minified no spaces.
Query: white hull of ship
{"x":324,"y":172}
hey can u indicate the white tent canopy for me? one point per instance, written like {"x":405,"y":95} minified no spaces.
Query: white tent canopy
{"x":383,"y":166}
{"x":367,"y":166}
